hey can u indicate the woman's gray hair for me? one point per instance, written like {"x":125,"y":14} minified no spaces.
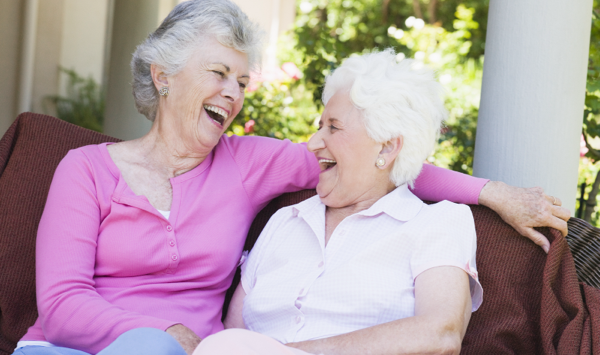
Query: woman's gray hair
{"x":395,"y":99}
{"x":183,"y":30}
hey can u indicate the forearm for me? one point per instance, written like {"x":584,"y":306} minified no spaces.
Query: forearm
{"x":414,"y":335}
{"x":437,"y":184}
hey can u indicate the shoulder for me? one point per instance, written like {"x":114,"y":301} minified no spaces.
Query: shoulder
{"x":281,"y":217}
{"x":445,"y":211}
{"x":251,"y":141}
{"x":289,"y":216}
{"x":446,"y":220}
{"x":89,"y":155}
{"x":259,"y":146}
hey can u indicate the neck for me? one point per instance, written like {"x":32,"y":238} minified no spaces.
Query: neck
{"x":335,"y":215}
{"x":163,"y":146}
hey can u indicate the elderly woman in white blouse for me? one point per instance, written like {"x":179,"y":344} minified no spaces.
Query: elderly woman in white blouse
{"x":365,"y":267}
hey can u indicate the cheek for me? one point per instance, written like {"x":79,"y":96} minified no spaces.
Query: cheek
{"x":237,"y":106}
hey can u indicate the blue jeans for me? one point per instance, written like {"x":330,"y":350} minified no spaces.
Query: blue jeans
{"x":140,"y":341}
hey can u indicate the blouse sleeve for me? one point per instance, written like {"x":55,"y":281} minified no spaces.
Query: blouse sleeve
{"x":438,"y":184}
{"x":449,"y":241}
{"x":71,"y":311}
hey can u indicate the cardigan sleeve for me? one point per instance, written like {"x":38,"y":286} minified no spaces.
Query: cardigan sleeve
{"x":71,"y":311}
{"x":438,"y":184}
{"x":271,"y":167}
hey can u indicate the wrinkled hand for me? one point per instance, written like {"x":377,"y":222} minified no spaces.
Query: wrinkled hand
{"x":185,"y":336}
{"x":525,"y":208}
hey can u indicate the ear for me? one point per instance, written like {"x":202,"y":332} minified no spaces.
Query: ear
{"x":390,"y":150}
{"x":159,"y":77}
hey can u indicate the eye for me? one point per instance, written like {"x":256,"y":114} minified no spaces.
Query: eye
{"x":332,"y":127}
{"x":242,"y":86}
{"x":219,"y":73}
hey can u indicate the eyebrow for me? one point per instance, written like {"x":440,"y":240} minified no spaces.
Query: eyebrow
{"x":229,"y":69}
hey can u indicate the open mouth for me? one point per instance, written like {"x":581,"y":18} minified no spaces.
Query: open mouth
{"x":216,"y":114}
{"x":327,"y":164}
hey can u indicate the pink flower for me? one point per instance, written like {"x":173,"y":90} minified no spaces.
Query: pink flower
{"x":249,"y":126}
{"x":582,"y":147}
{"x":292,"y":70}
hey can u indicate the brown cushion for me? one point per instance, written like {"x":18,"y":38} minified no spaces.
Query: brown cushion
{"x":29,"y":153}
{"x":532,"y":302}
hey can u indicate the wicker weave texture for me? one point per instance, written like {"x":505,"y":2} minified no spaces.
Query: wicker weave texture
{"x":584,"y":242}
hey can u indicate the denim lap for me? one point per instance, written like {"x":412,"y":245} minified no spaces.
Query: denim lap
{"x":45,"y":350}
{"x":144,"y":341}
{"x":140,"y":341}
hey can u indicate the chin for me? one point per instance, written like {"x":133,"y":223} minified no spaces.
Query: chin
{"x":329,"y":199}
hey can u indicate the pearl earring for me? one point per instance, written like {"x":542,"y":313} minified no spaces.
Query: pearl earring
{"x":380,"y":162}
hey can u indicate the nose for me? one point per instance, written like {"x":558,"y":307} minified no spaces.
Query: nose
{"x":232,"y":90}
{"x":315,"y":143}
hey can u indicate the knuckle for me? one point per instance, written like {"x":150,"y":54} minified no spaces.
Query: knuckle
{"x":537,"y":189}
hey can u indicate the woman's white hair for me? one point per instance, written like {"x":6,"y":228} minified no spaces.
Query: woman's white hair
{"x":183,"y":30}
{"x":395,"y":99}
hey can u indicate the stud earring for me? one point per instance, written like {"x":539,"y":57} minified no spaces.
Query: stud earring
{"x":380,"y":162}
{"x":164,"y":91}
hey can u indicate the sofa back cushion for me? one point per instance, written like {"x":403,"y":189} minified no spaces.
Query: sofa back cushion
{"x":531,"y":302}
{"x":29,"y":153}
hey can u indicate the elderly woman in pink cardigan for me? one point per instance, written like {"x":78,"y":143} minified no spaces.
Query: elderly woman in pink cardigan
{"x":148,"y":233}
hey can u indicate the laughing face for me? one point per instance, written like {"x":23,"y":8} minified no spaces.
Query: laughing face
{"x":346,"y":155}
{"x":206,"y":95}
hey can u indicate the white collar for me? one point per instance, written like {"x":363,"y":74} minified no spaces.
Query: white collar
{"x":400,"y":204}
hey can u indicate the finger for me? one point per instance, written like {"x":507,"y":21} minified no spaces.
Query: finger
{"x":561,"y":213}
{"x":559,"y":225}
{"x":558,"y":202}
{"x":553,"y":200}
{"x":537,"y":237}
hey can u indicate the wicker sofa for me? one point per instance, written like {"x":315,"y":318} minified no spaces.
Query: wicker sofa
{"x":533,"y":302}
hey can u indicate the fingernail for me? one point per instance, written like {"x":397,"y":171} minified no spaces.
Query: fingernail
{"x":546,"y":248}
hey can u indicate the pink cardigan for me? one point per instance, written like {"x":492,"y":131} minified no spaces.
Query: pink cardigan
{"x":107,"y":261}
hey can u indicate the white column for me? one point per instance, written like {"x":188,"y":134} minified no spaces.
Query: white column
{"x":28,"y":56}
{"x":533,"y":93}
{"x":133,"y":21}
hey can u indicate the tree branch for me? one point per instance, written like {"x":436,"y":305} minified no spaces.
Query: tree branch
{"x":594,"y":152}
{"x":591,"y":200}
{"x":385,"y":6}
{"x":417,"y":9}
{"x":432,"y":11}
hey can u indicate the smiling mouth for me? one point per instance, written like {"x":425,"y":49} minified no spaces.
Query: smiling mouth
{"x":216,"y":114}
{"x":327,"y":164}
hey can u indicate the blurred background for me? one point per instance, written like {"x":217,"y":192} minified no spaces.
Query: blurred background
{"x":70,"y":59}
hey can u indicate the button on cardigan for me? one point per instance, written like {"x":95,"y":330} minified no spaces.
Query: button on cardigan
{"x":107,"y":261}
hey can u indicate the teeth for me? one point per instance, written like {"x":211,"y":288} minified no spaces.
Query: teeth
{"x":328,"y":161}
{"x":216,"y":110}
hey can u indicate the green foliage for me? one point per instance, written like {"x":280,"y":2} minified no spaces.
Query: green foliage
{"x":326,"y":32}
{"x":84,"y":103}
{"x":280,"y":108}
{"x":447,"y":52}
{"x":588,"y":168}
